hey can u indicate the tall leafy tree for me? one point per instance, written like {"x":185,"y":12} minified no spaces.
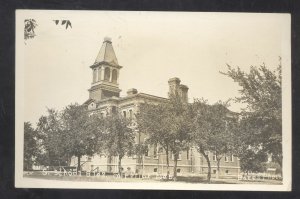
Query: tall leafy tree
{"x":119,"y":137}
{"x":50,"y":132}
{"x":79,"y":136}
{"x":31,"y":148}
{"x":71,"y":132}
{"x":213,"y":131}
{"x":151,"y":120}
{"x":140,"y":149}
{"x":202,"y":129}
{"x":223,"y":127}
{"x":178,"y":117}
{"x":167,"y":124}
{"x":260,"y":90}
{"x":95,"y":126}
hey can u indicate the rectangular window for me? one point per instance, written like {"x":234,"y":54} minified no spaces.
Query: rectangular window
{"x":124,"y":114}
{"x":214,"y":156}
{"x":187,"y":154}
{"x":130,"y":114}
{"x":226,"y":158}
{"x":231,"y":158}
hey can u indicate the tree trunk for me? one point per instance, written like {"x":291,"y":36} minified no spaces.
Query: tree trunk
{"x":119,"y":165}
{"x":209,"y":169}
{"x":218,"y":168}
{"x":175,"y":166}
{"x":140,"y":163}
{"x":208,"y":164}
{"x":78,"y":166}
{"x":168,"y":163}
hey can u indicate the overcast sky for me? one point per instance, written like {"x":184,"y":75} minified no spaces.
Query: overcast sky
{"x":152,"y":47}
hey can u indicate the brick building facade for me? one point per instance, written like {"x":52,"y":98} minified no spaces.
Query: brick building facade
{"x":104,"y":97}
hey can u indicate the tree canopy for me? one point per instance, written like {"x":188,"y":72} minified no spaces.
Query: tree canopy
{"x":80,"y":138}
{"x":31,"y":148}
{"x":50,"y":131}
{"x":119,"y":137}
{"x":71,"y":132}
{"x":213,"y":130}
{"x":261,"y":121}
{"x":167,"y":124}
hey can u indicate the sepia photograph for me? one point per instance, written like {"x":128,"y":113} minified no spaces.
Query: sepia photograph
{"x":153,"y":100}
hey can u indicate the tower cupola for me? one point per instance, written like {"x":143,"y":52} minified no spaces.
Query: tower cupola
{"x":105,"y":75}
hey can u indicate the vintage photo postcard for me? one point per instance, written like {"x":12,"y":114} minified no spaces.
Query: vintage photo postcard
{"x":153,"y":100}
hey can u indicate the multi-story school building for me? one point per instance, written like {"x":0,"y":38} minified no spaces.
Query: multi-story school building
{"x":104,"y":97}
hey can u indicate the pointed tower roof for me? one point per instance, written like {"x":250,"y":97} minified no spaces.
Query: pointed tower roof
{"x":106,"y":54}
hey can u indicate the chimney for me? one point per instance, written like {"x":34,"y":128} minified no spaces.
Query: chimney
{"x":183,"y":90}
{"x":132,"y":91}
{"x":174,"y":85}
{"x":175,"y":88}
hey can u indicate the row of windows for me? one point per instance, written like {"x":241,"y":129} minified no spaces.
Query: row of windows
{"x":155,"y":156}
{"x":159,"y":150}
{"x":114,"y":110}
{"x":227,"y":158}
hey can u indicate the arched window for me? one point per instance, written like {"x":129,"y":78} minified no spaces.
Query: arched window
{"x":106,"y":74}
{"x":114,"y":76}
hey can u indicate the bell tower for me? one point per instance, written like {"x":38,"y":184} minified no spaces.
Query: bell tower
{"x":105,"y":73}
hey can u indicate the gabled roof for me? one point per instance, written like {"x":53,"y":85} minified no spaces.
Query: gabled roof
{"x":106,"y":53}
